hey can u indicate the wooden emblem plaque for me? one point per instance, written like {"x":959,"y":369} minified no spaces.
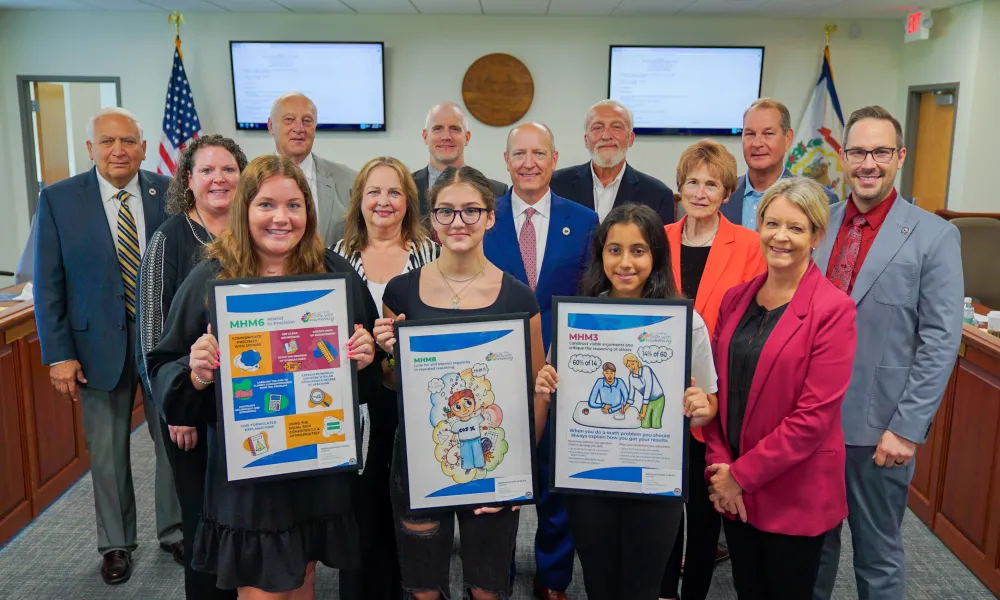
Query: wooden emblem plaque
{"x":498,"y":89}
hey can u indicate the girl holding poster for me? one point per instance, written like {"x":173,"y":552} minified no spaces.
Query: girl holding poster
{"x":624,"y":542}
{"x":461,"y":283}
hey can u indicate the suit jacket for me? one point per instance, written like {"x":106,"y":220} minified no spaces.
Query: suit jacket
{"x":333,"y":186}
{"x":577,"y":184}
{"x":792,"y":454}
{"x":422,"y":177}
{"x":733,"y":209}
{"x":78,"y":288}
{"x":909,"y":295}
{"x":567,"y":251}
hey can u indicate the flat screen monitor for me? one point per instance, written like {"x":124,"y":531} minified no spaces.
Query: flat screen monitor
{"x":683,"y":90}
{"x":346,"y":81}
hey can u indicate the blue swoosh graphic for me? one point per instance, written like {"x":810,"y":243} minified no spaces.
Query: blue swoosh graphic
{"x":476,"y":486}
{"x":286,"y":456}
{"x":454,"y":341}
{"x":622,"y":474}
{"x":272,"y":301}
{"x":612,"y":322}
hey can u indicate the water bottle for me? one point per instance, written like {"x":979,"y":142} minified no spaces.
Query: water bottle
{"x":969,"y":313}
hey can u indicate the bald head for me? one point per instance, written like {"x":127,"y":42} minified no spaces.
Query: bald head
{"x":540,"y":128}
{"x":531,"y":158}
{"x":446,"y":133}
{"x":292,"y":124}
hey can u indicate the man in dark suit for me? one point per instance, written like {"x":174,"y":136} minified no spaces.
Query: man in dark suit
{"x":607,"y":181}
{"x":767,"y":137}
{"x":91,"y":232}
{"x":544,"y":241}
{"x":446,"y":134}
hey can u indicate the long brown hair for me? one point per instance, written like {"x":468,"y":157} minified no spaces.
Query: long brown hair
{"x":355,"y":228}
{"x":235,"y":249}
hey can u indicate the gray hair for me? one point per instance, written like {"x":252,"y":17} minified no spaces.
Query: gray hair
{"x":542,"y":126}
{"x":287,"y":96}
{"x":447,"y":104}
{"x":107,"y":112}
{"x":786,"y":117}
{"x":629,"y":119}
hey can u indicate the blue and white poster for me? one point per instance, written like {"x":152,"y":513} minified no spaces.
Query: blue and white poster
{"x":286,"y":390}
{"x":467,"y":412}
{"x":618,"y":422}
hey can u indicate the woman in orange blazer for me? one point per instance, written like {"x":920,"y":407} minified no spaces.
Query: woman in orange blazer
{"x":710,"y":255}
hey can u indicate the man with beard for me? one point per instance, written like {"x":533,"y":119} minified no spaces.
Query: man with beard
{"x":902,"y":266}
{"x":607,"y":181}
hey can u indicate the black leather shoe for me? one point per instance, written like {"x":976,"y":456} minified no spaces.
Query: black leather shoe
{"x":116,"y":567}
{"x":176,"y":550}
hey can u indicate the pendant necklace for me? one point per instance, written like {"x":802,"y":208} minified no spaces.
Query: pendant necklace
{"x":457,"y":296}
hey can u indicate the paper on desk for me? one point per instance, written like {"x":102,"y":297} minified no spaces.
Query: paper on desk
{"x":25,"y":294}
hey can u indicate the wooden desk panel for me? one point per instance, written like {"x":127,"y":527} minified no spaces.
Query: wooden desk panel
{"x":15,"y":498}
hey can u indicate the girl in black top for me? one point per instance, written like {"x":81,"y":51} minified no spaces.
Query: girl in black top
{"x":263,"y":538}
{"x":459,"y":283}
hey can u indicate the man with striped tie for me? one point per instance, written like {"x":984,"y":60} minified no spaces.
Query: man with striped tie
{"x":91,"y":232}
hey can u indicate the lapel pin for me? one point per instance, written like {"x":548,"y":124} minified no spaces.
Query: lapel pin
{"x":152,"y":191}
{"x":906,"y":230}
{"x":565,"y":230}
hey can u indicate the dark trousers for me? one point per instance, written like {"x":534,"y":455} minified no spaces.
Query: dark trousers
{"x":623,"y":544}
{"x":553,"y":540}
{"x":703,"y":525}
{"x":771,"y":565}
{"x":189,"y":478}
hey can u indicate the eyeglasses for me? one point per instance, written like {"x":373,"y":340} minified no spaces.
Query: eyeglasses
{"x":470,"y":215}
{"x":856,"y":156}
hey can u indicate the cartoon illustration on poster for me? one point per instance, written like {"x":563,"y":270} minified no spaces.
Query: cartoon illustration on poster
{"x":619,"y":409}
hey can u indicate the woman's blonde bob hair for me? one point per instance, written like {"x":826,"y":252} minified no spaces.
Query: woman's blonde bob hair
{"x":804,"y":193}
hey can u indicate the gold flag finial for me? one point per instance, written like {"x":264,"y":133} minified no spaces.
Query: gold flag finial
{"x":175,"y":18}
{"x":828,"y":30}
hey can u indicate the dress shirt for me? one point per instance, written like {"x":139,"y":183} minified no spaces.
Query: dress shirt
{"x":540,"y":220}
{"x":875,"y":217}
{"x":432,"y":176}
{"x":614,"y":395}
{"x":645,"y":384}
{"x":308,"y":166}
{"x":112,"y":205}
{"x":751,"y":199}
{"x":604,"y":196}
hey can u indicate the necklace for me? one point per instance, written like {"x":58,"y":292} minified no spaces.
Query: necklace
{"x":457,"y":296}
{"x":194,"y":232}
{"x":687,"y":241}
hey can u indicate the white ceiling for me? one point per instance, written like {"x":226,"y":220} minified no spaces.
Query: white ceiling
{"x":848,"y":9}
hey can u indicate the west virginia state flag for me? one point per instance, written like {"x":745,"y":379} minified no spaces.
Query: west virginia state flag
{"x":816,"y":151}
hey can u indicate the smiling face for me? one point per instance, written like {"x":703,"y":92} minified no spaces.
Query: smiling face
{"x":459,"y":236}
{"x":633,"y":367}
{"x":293,"y":127}
{"x":872,"y":182}
{"x":117,"y":150}
{"x":530,"y":161}
{"x":764,"y":143}
{"x":786,"y":235}
{"x":213,"y":179}
{"x":609,"y":376}
{"x":277,"y":217}
{"x":627,"y":260}
{"x":383,"y":204}
{"x":446,"y":136}
{"x":608,"y":136}
{"x":462,"y":405}
{"x":702,"y":193}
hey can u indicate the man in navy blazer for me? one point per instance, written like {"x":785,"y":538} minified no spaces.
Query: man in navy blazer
{"x":767,"y":137}
{"x":543,"y":240}
{"x":606,"y":180}
{"x":86,"y":324}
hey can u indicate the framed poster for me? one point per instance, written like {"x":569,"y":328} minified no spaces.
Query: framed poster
{"x":618,"y":424}
{"x":286,"y":392}
{"x":466,"y":411}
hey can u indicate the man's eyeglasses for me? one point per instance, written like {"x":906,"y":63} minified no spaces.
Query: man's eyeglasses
{"x":470,"y":215}
{"x":856,"y":156}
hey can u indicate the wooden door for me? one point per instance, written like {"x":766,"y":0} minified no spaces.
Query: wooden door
{"x":933,"y":152}
{"x":53,"y":145}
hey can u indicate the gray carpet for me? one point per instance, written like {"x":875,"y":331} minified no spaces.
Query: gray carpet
{"x":54,"y":557}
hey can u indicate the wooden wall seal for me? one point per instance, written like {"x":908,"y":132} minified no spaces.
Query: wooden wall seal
{"x":498,"y":89}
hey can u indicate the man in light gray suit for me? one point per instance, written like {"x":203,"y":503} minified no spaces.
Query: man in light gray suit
{"x":293,"y":126}
{"x":903,"y":267}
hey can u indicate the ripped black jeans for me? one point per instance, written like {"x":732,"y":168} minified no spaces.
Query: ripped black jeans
{"x":425,"y":543}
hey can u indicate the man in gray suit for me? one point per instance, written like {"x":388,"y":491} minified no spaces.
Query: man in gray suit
{"x":903,"y":267}
{"x":293,"y":126}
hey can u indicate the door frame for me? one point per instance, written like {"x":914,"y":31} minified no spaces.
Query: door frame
{"x":27,"y":131}
{"x":911,"y":126}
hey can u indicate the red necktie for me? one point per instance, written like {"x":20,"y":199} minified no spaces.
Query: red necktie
{"x":527,"y":242}
{"x":843,"y":269}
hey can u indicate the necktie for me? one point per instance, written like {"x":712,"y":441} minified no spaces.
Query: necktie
{"x":843,"y":269}
{"x":527,"y":241}
{"x":128,"y":251}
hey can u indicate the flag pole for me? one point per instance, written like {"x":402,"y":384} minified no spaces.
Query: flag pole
{"x":828,"y":30}
{"x":176,"y":19}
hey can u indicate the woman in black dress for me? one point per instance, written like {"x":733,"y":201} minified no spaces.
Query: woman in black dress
{"x":460,"y":283}
{"x":262,"y":538}
{"x":200,"y":195}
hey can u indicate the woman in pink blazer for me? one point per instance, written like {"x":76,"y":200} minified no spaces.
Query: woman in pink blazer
{"x":784,"y":346}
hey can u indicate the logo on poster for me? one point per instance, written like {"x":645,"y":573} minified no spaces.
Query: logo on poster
{"x":584,"y":337}
{"x":244,"y":323}
{"x":655,"y":338}
{"x":492,"y":356}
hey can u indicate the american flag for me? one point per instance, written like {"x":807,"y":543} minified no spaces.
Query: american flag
{"x":180,"y":119}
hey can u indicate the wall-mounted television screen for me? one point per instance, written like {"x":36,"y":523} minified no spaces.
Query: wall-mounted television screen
{"x":346,"y":81}
{"x":682,"y":90}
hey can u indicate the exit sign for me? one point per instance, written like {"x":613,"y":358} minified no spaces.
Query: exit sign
{"x":918,"y":25}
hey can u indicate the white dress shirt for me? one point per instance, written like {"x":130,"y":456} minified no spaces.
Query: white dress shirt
{"x":308,"y":167}
{"x":604,"y":197}
{"x":540,"y":220}
{"x":112,"y":206}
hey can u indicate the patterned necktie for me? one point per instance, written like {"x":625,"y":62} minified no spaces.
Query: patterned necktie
{"x":843,"y":269}
{"x":527,"y":241}
{"x":128,"y":250}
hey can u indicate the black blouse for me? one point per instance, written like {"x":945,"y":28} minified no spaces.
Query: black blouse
{"x":744,"y":351}
{"x":693,"y":259}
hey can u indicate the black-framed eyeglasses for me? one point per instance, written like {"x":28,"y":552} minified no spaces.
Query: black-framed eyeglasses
{"x":856,"y":156}
{"x":470,"y":215}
